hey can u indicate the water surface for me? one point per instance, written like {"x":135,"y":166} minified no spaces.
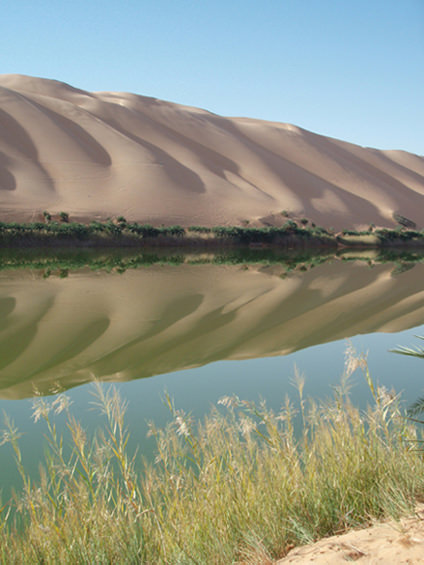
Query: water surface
{"x":201,"y":329}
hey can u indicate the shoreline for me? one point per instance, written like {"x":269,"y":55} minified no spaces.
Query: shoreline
{"x":119,"y":233}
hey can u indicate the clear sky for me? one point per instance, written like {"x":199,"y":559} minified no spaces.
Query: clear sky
{"x":352,"y":69}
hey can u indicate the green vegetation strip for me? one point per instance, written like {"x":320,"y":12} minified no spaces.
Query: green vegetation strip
{"x":120,"y":232}
{"x":240,"y":486}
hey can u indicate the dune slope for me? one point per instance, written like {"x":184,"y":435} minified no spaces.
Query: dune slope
{"x":96,"y":155}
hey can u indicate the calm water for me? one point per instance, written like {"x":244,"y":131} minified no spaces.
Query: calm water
{"x":199,"y":327}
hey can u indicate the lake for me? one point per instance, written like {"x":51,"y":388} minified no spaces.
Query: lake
{"x":198,"y":327}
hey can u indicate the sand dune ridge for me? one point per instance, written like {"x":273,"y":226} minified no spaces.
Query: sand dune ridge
{"x":110,"y":153}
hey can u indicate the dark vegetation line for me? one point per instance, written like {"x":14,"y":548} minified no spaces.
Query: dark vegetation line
{"x":64,"y":260}
{"x":120,"y":233}
{"x":61,"y":261}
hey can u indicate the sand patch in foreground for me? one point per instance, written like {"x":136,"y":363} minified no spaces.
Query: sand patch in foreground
{"x":392,"y":543}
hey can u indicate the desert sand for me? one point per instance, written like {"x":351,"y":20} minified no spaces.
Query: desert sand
{"x":96,"y":155}
{"x":388,"y":543}
{"x":114,"y":327}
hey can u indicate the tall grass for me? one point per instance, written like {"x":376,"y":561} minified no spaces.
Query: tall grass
{"x":241,"y":486}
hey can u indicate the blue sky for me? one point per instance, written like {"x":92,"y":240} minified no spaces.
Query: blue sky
{"x":348,"y":69}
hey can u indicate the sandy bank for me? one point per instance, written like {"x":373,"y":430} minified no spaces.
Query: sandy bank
{"x":389,"y":543}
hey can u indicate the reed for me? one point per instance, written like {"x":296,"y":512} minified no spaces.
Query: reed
{"x":242,"y":486}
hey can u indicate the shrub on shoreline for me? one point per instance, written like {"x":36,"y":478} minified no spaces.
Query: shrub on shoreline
{"x":120,"y":232}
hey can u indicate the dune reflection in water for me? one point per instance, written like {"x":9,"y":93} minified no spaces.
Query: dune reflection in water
{"x":154,"y":320}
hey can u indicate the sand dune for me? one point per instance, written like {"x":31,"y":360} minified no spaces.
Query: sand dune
{"x":162,"y":318}
{"x":104,"y":154}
